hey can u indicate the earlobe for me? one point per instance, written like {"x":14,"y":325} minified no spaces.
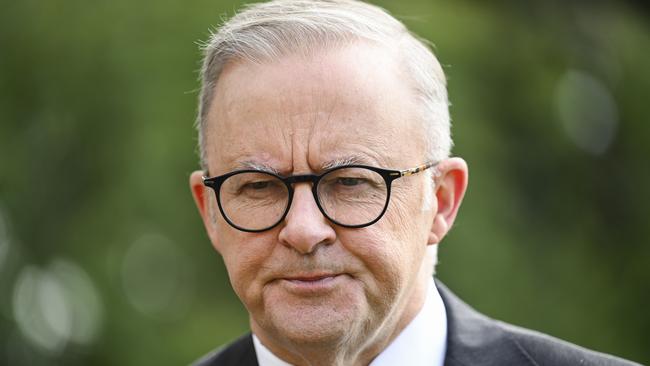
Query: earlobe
{"x":450,"y":190}
{"x":438,"y":230}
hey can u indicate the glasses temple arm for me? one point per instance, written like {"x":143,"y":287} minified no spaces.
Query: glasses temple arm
{"x":417,"y":169}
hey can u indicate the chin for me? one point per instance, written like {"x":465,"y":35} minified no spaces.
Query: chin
{"x":318,"y":324}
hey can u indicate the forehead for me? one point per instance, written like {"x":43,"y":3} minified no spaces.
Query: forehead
{"x":347,"y":102}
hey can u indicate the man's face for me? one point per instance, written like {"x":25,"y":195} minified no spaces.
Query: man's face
{"x":308,"y":281}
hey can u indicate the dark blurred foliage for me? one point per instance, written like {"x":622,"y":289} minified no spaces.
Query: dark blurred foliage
{"x":104,"y":261}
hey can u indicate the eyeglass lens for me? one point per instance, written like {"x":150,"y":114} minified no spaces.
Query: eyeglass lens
{"x":349,"y":196}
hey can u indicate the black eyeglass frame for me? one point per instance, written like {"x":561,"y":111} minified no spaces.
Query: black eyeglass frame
{"x":389,"y":176}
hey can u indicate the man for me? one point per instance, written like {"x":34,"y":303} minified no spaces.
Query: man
{"x":326,"y":187}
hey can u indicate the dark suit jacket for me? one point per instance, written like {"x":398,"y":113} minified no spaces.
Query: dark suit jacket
{"x":472,"y":340}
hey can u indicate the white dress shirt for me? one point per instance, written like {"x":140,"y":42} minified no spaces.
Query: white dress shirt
{"x":422,"y":342}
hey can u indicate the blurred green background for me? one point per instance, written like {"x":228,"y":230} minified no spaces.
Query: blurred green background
{"x":103,"y":258}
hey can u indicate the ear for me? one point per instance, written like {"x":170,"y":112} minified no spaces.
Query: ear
{"x":202,"y":195}
{"x":451,"y":184}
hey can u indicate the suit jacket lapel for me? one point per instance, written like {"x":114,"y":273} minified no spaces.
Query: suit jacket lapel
{"x":239,"y":353}
{"x":474,"y":339}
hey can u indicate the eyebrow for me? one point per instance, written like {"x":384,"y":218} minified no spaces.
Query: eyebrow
{"x":343,"y":161}
{"x":250,"y":164}
{"x":331,"y":164}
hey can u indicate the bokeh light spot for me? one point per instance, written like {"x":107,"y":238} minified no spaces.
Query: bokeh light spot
{"x":28,"y":311}
{"x":587,"y":111}
{"x":157,"y":277}
{"x":4,"y":239}
{"x":84,"y":301}
{"x":56,"y":306}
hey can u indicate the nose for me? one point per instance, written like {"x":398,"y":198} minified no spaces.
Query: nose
{"x":305,"y":228}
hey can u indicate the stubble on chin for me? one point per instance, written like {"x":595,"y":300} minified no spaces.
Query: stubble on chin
{"x":326,"y":322}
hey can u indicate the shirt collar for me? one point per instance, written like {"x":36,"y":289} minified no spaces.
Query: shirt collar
{"x":422,"y":342}
{"x":265,"y":357}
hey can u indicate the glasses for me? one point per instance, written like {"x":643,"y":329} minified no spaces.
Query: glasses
{"x":352,"y":196}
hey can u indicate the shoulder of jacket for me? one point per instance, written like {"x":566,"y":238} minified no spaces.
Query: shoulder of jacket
{"x":544,"y":349}
{"x":238,"y":352}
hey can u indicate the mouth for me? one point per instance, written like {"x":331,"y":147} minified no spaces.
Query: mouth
{"x":312,"y":283}
{"x":310,"y":277}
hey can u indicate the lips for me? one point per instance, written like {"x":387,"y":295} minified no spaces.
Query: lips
{"x":311,"y":284}
{"x":310,"y":278}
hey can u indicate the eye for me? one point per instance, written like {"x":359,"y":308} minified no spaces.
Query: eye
{"x":262,"y":184}
{"x":349,"y":181}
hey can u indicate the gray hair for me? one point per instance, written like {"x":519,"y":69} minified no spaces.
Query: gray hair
{"x":267,"y":31}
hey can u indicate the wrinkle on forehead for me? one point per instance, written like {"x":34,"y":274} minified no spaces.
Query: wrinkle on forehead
{"x":297,"y":114}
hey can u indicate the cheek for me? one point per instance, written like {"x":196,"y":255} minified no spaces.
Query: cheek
{"x":244,"y":254}
{"x":386,"y":262}
{"x":401,"y":238}
{"x":407,"y":219}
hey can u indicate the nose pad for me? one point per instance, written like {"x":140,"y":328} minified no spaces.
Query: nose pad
{"x":305,"y":225}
